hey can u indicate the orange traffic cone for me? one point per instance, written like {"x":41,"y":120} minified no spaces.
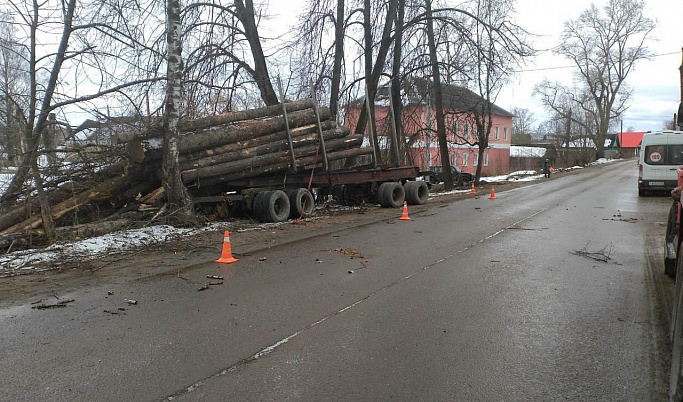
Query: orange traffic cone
{"x":226,"y":255}
{"x":405,"y":216}
{"x":493,"y":194}
{"x":473,"y":191}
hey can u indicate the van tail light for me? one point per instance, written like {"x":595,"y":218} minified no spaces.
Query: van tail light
{"x":640,"y":172}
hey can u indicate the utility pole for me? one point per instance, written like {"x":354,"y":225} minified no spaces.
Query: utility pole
{"x":428,"y":134}
{"x":680,"y":105}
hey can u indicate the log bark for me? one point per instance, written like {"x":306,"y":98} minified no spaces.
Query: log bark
{"x":100,"y":192}
{"x":153,"y":154}
{"x":268,"y":148}
{"x":268,"y":159}
{"x":212,"y":121}
{"x":283,"y":166}
{"x":241,"y":131}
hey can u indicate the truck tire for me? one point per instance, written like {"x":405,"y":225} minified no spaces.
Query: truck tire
{"x":393,"y":194}
{"x":417,"y":192}
{"x":381,"y":190}
{"x":301,"y":203}
{"x":273,"y":207}
{"x":257,"y":206}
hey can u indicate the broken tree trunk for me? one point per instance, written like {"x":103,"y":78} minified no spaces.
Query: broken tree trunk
{"x":194,"y":174}
{"x":264,"y":149}
{"x":211,"y":121}
{"x":100,"y":192}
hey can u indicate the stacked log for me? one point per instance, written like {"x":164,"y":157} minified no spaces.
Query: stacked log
{"x":213,"y":150}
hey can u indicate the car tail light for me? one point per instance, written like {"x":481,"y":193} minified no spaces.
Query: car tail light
{"x":640,"y":172}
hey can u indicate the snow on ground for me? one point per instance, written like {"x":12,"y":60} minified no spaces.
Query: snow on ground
{"x":5,"y":177}
{"x":35,"y":260}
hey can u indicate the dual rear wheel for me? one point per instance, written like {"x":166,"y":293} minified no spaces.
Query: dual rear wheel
{"x":278,"y":205}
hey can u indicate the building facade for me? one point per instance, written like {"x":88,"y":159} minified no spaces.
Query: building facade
{"x":419,"y":127}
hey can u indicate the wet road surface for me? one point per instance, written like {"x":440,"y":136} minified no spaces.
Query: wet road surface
{"x":475,"y":300}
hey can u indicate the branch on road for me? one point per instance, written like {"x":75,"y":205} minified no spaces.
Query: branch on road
{"x":602,"y":255}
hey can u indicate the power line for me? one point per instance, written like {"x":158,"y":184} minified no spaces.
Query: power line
{"x":565,"y":67}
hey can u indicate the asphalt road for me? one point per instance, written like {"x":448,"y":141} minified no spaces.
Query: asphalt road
{"x":474,"y":300}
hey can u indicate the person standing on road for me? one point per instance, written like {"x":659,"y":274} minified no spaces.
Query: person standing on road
{"x":546,"y":168}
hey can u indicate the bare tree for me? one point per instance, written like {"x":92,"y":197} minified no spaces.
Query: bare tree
{"x":522,"y":125}
{"x":604,"y":46}
{"x":176,"y":193}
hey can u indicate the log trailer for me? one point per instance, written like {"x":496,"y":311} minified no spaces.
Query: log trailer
{"x":299,"y":176}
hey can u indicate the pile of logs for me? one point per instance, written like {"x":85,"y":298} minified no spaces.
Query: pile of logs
{"x":213,"y":150}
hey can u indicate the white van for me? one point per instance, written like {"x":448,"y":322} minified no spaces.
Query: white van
{"x":661,"y":153}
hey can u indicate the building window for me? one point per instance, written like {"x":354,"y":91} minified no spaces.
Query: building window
{"x":455,"y":128}
{"x":497,"y":132}
{"x":476,"y":160}
{"x":486,"y":159}
{"x":454,"y":159}
{"x":464,"y":157}
{"x":505,"y":133}
{"x":467,"y":130}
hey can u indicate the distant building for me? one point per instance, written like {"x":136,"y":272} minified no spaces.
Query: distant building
{"x":419,"y":125}
{"x":629,"y":143}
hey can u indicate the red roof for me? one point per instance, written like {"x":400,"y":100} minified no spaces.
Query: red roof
{"x":630,"y":140}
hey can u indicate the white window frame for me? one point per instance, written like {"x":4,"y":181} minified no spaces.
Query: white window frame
{"x":505,"y":133}
{"x":467,"y":131}
{"x":454,"y":159}
{"x":475,"y":160}
{"x":455,"y":128}
{"x":497,"y":133}
{"x":464,"y":159}
{"x":486,"y":159}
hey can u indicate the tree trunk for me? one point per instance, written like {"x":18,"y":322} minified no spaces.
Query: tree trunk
{"x":268,"y":159}
{"x":438,"y":100}
{"x":213,"y":121}
{"x":256,"y":141}
{"x":396,"y":83}
{"x":250,"y":152}
{"x":220,"y":136}
{"x":36,"y":125}
{"x":245,"y":13}
{"x":176,"y":194}
{"x":102,"y":191}
{"x":283,"y":166}
{"x":339,"y":22}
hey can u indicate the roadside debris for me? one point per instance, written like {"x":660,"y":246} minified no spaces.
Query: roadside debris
{"x":215,"y":283}
{"x":214,"y":277}
{"x":131,"y":302}
{"x":602,"y":255}
{"x":351,"y":253}
{"x":203,"y":288}
{"x":44,"y":306}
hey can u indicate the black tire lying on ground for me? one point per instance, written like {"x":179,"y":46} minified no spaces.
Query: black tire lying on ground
{"x":301,"y":203}
{"x":417,"y":192}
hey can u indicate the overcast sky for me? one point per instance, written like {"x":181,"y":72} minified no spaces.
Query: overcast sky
{"x":655,"y":82}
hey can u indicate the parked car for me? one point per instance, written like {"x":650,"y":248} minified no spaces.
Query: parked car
{"x":459,"y":177}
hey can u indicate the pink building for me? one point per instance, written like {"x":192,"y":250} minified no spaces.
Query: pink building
{"x":419,"y":127}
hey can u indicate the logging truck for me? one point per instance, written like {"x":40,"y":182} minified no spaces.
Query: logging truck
{"x":275,"y":162}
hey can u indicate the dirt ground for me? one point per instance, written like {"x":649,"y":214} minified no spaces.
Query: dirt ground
{"x":182,"y":254}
